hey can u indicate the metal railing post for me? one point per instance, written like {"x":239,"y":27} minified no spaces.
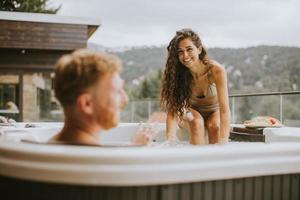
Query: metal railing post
{"x":281,"y":99}
{"x":233,"y":108}
{"x":132,"y":111}
{"x":149,"y":109}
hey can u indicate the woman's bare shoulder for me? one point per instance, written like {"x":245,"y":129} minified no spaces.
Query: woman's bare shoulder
{"x":217,"y":68}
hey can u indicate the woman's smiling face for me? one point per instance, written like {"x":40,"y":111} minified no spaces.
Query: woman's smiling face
{"x":188,"y":53}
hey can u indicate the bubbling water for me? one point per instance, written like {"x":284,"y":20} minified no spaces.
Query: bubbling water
{"x":152,"y":130}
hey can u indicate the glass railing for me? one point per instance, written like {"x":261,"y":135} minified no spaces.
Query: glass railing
{"x":284,"y":106}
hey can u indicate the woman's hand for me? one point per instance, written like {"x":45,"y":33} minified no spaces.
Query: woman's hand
{"x":223,"y":140}
{"x":173,"y":139}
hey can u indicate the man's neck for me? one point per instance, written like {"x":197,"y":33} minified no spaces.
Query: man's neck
{"x":80,"y":132}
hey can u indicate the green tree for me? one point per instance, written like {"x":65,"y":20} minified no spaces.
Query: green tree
{"x":35,"y":6}
{"x":149,"y":87}
{"x":145,"y":90}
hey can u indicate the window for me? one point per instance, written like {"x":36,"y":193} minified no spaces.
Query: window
{"x":8,"y":92}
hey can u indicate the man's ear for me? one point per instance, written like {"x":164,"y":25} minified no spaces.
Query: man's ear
{"x":84,"y":103}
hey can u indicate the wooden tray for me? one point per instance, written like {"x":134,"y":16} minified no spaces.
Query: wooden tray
{"x":246,"y":137}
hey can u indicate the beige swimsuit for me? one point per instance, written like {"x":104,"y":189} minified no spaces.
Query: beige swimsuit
{"x":204,"y":97}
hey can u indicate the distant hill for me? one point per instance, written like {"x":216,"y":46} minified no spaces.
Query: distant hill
{"x":261,"y":68}
{"x":253,"y":69}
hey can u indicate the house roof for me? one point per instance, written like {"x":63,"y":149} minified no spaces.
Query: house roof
{"x":92,"y":24}
{"x":47,"y":18}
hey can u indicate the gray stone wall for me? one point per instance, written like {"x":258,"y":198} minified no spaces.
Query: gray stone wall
{"x":31,"y":109}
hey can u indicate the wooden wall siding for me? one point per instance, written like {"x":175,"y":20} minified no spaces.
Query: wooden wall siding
{"x":28,"y":59}
{"x":276,"y":187}
{"x":33,"y":35}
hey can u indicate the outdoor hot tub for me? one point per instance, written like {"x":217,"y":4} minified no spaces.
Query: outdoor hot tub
{"x":238,"y":170}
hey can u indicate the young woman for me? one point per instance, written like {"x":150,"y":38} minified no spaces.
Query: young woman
{"x":194,"y":91}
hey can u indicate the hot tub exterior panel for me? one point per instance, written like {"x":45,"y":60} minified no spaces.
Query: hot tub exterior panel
{"x":284,"y":187}
{"x":232,"y":172}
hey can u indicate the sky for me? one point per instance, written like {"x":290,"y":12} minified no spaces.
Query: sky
{"x":219,"y":23}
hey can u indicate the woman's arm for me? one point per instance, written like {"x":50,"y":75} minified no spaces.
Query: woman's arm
{"x":220,"y":78}
{"x":171,"y":124}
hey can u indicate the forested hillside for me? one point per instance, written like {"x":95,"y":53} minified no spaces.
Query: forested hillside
{"x":253,"y":69}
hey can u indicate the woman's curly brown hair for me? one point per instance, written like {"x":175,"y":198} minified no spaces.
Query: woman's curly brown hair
{"x":177,"y":79}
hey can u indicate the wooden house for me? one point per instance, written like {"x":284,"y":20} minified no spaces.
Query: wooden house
{"x":30,"y":44}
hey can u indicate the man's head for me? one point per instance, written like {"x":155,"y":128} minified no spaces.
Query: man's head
{"x":88,"y":84}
